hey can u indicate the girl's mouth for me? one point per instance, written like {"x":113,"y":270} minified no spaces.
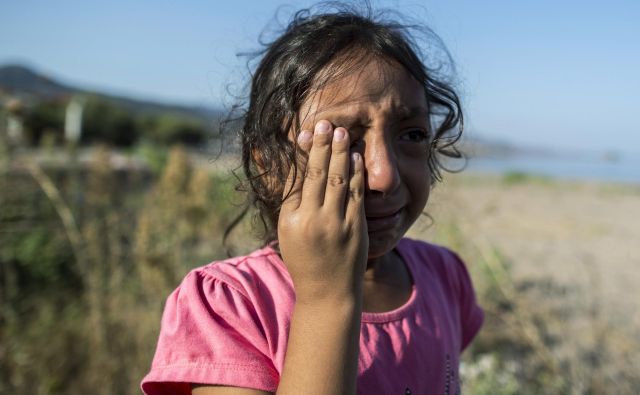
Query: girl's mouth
{"x":377,"y":222}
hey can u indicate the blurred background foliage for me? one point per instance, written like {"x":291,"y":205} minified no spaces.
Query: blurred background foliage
{"x":108,"y":122}
{"x":80,"y":299}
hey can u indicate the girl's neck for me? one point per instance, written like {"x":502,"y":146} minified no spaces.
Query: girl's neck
{"x":387,"y":265}
{"x":387,"y":283}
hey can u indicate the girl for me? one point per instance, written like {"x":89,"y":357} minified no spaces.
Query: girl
{"x":341,"y":145}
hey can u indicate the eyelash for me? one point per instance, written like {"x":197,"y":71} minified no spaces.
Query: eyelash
{"x":411,"y":135}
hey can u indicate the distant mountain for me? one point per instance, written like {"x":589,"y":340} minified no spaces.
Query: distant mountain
{"x":485,"y":147}
{"x":24,"y":83}
{"x":22,"y":80}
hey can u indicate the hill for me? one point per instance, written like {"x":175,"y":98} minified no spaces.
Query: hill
{"x":31,"y":86}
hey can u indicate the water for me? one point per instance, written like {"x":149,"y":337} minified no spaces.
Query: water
{"x":624,"y":169}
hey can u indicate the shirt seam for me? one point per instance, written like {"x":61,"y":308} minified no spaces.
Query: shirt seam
{"x":237,"y":366}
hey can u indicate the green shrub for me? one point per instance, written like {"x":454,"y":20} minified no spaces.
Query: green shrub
{"x":106,"y":122}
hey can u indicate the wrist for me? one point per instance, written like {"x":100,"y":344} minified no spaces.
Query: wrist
{"x":326,"y":298}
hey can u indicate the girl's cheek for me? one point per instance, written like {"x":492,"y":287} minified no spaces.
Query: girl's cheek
{"x":419,"y":151}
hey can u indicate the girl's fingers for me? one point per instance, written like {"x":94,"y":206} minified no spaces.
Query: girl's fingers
{"x":315,"y":176}
{"x":355,"y":198}
{"x":293,"y":186}
{"x":338,"y":174}
{"x":330,"y":177}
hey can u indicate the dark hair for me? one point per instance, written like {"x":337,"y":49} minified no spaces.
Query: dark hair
{"x":288,"y":72}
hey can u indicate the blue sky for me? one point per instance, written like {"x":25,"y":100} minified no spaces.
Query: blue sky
{"x":560,"y":74}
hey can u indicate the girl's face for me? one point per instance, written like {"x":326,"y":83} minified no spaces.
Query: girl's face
{"x":386,"y":113}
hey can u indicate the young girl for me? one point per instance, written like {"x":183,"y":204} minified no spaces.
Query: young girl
{"x":341,"y":143}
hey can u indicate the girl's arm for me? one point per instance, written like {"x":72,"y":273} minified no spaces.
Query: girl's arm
{"x":324,"y":243}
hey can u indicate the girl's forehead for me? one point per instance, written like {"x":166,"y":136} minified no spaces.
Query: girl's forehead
{"x":374,"y":85}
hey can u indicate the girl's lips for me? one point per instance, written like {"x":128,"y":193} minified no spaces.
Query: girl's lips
{"x":383,"y":222}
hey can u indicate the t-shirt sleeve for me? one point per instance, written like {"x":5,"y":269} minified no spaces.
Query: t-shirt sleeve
{"x":471,"y":314}
{"x":210,"y":334}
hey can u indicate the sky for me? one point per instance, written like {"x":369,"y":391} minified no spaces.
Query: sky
{"x":556,"y":74}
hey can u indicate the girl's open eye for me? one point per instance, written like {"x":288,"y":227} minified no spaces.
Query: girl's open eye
{"x":414,"y":136}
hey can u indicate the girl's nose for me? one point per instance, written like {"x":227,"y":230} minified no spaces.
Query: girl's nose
{"x":381,"y":166}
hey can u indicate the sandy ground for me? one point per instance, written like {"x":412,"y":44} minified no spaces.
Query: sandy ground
{"x":583,"y":236}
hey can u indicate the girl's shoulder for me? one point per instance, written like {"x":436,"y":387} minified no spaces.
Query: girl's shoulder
{"x":436,"y":265}
{"x":222,"y":324}
{"x":250,"y":276}
{"x":429,"y":255}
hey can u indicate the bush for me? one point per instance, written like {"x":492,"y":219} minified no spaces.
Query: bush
{"x":108,"y":123}
{"x":44,"y":116}
{"x":169,"y":129}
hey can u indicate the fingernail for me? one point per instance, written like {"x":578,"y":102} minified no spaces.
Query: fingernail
{"x":323,"y":127}
{"x":355,"y":156}
{"x":338,"y":134}
{"x":304,"y":136}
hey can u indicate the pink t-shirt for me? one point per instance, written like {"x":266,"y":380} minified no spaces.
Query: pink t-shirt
{"x":228,"y":324}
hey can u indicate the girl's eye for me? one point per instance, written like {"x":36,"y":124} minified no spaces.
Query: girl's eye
{"x":414,"y":136}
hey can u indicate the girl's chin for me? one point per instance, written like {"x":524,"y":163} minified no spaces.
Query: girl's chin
{"x":380,"y":246}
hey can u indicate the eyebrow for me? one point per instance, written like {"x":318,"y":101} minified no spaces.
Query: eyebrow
{"x":349,"y":118}
{"x":346,"y":120}
{"x":411,"y":112}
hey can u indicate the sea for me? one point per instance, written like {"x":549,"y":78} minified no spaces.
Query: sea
{"x":618,"y":169}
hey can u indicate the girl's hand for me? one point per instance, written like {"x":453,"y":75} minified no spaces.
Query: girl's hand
{"x":322,"y":229}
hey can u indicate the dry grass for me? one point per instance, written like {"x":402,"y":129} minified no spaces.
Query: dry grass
{"x":130,"y":249}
